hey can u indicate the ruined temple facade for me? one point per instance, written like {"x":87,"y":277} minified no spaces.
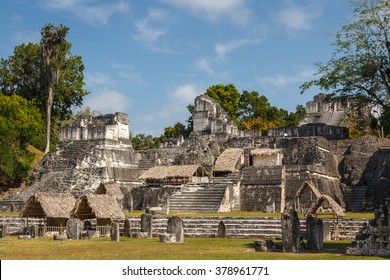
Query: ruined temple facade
{"x":210,"y":117}
{"x":320,"y":110}
{"x":247,"y":171}
{"x":92,"y":149}
{"x":88,"y":128}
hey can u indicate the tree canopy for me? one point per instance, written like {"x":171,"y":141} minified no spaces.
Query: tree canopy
{"x":25,"y":73}
{"x":21,"y":123}
{"x":360,"y":65}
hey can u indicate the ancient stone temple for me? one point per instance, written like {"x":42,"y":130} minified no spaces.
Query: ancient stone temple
{"x":218,"y":168}
{"x":92,"y":149}
{"x":209,"y":117}
{"x":319,"y":110}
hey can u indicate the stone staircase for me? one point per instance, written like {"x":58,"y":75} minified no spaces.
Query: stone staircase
{"x":354,"y":198}
{"x":198,"y":198}
{"x":381,"y":159}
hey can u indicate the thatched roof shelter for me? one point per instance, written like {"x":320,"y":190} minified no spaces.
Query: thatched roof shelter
{"x":110,"y":188}
{"x":336,"y":208}
{"x":48,"y":205}
{"x":308,"y":185}
{"x":173,"y":174}
{"x":99,"y":206}
{"x":230,"y":160}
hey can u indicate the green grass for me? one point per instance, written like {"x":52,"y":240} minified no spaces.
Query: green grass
{"x":45,"y":248}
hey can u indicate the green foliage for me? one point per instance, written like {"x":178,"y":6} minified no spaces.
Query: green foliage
{"x":175,"y":131}
{"x":20,"y":124}
{"x":227,"y":96}
{"x":360,"y":65}
{"x":256,"y":113}
{"x":24,"y":73}
{"x":144,"y":142}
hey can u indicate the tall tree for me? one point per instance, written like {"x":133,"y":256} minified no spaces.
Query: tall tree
{"x":25,"y":74}
{"x":360,"y":65}
{"x":54,"y":49}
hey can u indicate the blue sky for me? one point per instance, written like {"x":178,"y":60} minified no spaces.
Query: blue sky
{"x":150,"y":59}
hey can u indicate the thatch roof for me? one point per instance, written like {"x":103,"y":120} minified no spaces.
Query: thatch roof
{"x":311,"y":186}
{"x":100,"y":206}
{"x":336,"y":208}
{"x":228,"y":160}
{"x":265,"y":152}
{"x":110,"y":188}
{"x":52,"y":205}
{"x":174,"y":171}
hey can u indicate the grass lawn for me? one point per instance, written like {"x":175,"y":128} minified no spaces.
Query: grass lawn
{"x":45,"y":248}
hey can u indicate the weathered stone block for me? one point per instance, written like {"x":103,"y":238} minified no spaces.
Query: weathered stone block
{"x":222,"y":230}
{"x":147,"y":224}
{"x":141,"y":234}
{"x":115,"y":231}
{"x":168,"y":238}
{"x":74,"y":228}
{"x":264,"y":246}
{"x":176,"y":227}
{"x":60,"y":237}
{"x":3,"y":231}
{"x":127,"y":228}
{"x":290,"y":231}
{"x":24,"y":236}
{"x":34,"y":231}
{"x":315,"y":234}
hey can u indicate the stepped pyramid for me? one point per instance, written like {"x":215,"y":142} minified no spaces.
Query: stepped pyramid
{"x":91,"y":150}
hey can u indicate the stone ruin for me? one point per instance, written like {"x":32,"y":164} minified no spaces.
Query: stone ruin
{"x":247,"y":171}
{"x":374,"y":240}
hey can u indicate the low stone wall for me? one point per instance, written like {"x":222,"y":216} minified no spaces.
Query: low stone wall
{"x":11,"y":205}
{"x":236,"y":227}
{"x":16,"y":225}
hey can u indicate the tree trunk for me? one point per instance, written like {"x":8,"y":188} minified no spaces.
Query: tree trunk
{"x":49,"y":104}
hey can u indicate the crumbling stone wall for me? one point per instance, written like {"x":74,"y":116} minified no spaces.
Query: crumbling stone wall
{"x":261,"y":189}
{"x":209,"y":117}
{"x":374,"y":240}
{"x":110,"y":126}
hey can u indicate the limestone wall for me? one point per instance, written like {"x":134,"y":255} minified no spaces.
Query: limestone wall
{"x":330,"y":132}
{"x":210,"y":117}
{"x":111,"y":126}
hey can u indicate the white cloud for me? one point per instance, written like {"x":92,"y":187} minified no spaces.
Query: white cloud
{"x":98,"y":79}
{"x":185,"y":94}
{"x":295,"y":18}
{"x":223,"y":48}
{"x":129,"y":73}
{"x":148,"y":34}
{"x":280,"y":80}
{"x":233,"y":11}
{"x":203,"y":64}
{"x":26,"y":37}
{"x":88,"y":11}
{"x":107,"y":101}
{"x":175,"y":110}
